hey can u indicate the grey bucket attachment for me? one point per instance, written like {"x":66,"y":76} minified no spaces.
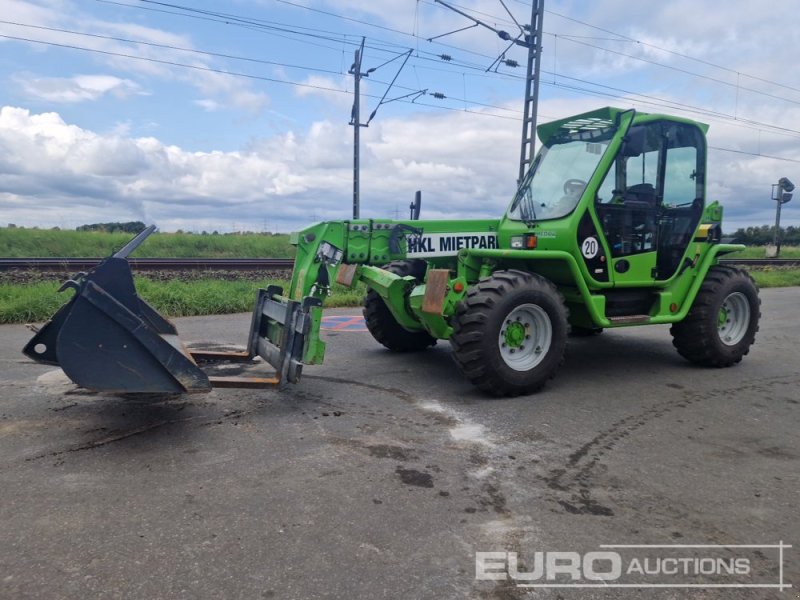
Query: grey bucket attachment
{"x":106,"y":338}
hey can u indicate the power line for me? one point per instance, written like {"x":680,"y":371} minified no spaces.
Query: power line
{"x":254,"y":26}
{"x":170,"y":47}
{"x":623,"y":37}
{"x":664,"y":103}
{"x":619,"y":36}
{"x":680,"y":70}
{"x":216,"y":54}
{"x":261,"y":23}
{"x":329,"y":89}
{"x":271,"y":27}
{"x":646,"y":99}
{"x":239,"y":74}
{"x":783,"y":158}
{"x":702,"y":112}
{"x":699,"y":110}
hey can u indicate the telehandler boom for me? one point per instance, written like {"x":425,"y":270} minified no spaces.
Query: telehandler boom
{"x":609,"y":228}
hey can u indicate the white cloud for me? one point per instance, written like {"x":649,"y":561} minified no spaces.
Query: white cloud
{"x":80,"y":88}
{"x":465,"y":165}
{"x":35,"y":19}
{"x":208,"y":105}
{"x":330,"y":89}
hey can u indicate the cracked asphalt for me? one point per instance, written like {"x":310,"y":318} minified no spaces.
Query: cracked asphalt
{"x":381,"y":476}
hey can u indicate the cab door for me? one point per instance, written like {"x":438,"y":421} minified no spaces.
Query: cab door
{"x":651,"y":201}
{"x":627,"y":206}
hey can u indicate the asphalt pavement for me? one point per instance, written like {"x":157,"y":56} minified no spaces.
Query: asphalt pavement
{"x":382,"y":475}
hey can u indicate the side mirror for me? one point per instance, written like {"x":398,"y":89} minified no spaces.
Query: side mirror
{"x":416,"y":206}
{"x":633,"y":143}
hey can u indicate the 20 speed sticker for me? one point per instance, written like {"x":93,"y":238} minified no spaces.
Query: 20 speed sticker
{"x":590,"y":247}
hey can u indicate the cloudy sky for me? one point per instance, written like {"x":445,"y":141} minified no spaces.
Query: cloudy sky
{"x":204,"y":115}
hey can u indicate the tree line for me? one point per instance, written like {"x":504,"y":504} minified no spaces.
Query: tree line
{"x":128,"y":227}
{"x":765,"y":234}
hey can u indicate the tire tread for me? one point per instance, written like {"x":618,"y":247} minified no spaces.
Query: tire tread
{"x":695,"y":337}
{"x":472,"y":314}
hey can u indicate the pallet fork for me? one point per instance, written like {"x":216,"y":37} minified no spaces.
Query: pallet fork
{"x":106,"y":338}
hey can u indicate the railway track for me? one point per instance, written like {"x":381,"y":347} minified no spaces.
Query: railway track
{"x":763,"y":262}
{"x":245,"y":264}
{"x":149,"y":264}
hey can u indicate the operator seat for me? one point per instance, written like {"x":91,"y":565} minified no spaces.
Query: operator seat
{"x":641,"y":195}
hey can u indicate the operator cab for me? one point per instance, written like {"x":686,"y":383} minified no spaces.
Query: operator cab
{"x":630,"y":186}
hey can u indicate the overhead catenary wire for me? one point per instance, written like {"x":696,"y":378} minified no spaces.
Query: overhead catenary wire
{"x":172,"y":47}
{"x":174,"y":63}
{"x":569,"y":38}
{"x":260,"y":22}
{"x":336,"y":90}
{"x":706,"y":112}
{"x":626,"y":38}
{"x":249,"y":75}
{"x":463,"y":10}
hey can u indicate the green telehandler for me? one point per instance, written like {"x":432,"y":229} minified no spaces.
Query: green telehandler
{"x":609,"y":228}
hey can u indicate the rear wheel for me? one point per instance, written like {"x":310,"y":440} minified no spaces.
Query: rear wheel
{"x":382,"y":324}
{"x":723,"y":321}
{"x":510,"y":332}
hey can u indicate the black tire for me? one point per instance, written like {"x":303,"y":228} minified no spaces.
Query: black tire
{"x":576,"y":331}
{"x":382,"y":324}
{"x":479,"y":321}
{"x":699,"y":337}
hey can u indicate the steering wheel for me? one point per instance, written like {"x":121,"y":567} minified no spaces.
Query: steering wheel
{"x":574,"y":187}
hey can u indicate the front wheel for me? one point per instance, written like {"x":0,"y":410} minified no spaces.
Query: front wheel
{"x":723,"y":321}
{"x":510,"y":333}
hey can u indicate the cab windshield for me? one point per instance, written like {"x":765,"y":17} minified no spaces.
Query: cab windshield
{"x":554,"y":184}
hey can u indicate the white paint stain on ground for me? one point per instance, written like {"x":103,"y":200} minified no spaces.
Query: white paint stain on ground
{"x":483,"y":472}
{"x":470,"y":432}
{"x":463,"y":430}
{"x":54,"y":379}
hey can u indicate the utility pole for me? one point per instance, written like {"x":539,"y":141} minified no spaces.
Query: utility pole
{"x":534,"y":43}
{"x":355,"y":121}
{"x":530,"y":37}
{"x":355,"y":117}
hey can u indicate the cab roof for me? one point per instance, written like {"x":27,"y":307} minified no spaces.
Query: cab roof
{"x":602,"y":118}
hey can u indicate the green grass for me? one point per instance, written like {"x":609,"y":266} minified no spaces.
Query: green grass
{"x":20,"y":243}
{"x":31,"y":303}
{"x":758,"y":252}
{"x":772,"y":277}
{"x":36,"y":302}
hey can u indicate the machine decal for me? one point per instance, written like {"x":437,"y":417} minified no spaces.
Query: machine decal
{"x":448,"y":244}
{"x":594,"y":257}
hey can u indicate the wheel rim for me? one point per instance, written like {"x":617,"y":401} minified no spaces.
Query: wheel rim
{"x":733,"y":319}
{"x":525,"y":337}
